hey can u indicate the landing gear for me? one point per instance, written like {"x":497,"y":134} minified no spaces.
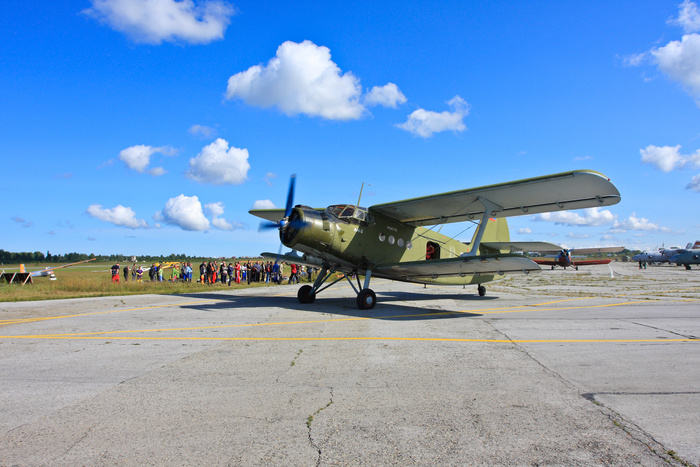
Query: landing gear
{"x":366,"y":299}
{"x":482,"y":290}
{"x":306,"y":294}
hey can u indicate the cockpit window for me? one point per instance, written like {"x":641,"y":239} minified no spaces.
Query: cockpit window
{"x":348,"y":213}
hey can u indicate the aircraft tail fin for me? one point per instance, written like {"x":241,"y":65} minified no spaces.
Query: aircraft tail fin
{"x":496,"y":232}
{"x":695,"y":246}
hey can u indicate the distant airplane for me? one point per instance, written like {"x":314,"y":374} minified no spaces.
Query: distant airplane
{"x":565,"y":260}
{"x":663,"y":255}
{"x":688,"y":256}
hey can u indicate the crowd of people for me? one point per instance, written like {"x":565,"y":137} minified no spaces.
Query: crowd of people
{"x":211,"y":272}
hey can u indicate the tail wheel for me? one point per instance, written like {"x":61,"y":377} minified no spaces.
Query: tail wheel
{"x":482,"y":290}
{"x":305,"y":294}
{"x":366,"y":299}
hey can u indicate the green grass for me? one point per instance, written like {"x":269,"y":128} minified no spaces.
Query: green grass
{"x":94,"y":280}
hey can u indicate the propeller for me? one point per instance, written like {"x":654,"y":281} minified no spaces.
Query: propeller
{"x":267,"y":225}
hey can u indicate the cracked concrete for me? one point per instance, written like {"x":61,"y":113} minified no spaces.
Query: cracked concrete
{"x":548,"y":371}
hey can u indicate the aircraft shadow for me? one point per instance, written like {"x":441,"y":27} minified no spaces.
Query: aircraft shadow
{"x":387,"y":306}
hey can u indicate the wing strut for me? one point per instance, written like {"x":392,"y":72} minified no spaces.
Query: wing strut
{"x":489,"y":209}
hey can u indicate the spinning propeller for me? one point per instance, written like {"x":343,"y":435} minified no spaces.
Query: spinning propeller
{"x":291,"y":222}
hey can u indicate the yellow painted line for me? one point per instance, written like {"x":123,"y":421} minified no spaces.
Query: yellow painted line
{"x":33,"y":320}
{"x":362,"y":338}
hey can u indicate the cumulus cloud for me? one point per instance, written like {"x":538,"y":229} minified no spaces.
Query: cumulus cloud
{"x":638,"y":223}
{"x":216,"y":164}
{"x":425,"y":123}
{"x":591,"y":217}
{"x":138,"y":157}
{"x":155,"y":21}
{"x":264,"y":204}
{"x":688,"y":16}
{"x":303,"y":79}
{"x":119,"y":215}
{"x":388,"y":95}
{"x":300,"y":79}
{"x":215,"y":210}
{"x":525,"y":231}
{"x":668,"y":158}
{"x":184,"y":212}
{"x":679,"y":60}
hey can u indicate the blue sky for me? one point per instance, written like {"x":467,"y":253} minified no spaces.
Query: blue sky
{"x":152,"y":127}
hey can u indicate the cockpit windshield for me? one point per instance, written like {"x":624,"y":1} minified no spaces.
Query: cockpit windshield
{"x":348,"y":213}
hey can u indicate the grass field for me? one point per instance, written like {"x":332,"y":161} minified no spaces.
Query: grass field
{"x":94,"y":280}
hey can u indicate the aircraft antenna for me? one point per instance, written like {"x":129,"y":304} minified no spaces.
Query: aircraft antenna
{"x":361,"y":188}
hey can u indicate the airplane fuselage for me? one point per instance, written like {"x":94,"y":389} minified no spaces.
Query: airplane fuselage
{"x":354,"y":239}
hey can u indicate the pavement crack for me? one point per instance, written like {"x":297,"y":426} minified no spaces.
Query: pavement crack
{"x":685,"y":336}
{"x":309,"y":422}
{"x":635,"y":432}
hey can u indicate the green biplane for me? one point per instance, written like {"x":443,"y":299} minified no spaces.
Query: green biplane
{"x":392,"y":241}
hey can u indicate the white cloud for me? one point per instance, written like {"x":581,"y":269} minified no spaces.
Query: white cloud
{"x":138,"y":157}
{"x":680,"y":60}
{"x":525,"y":231}
{"x":215,"y":210}
{"x":155,"y":21}
{"x":665,"y":158}
{"x":688,"y":17}
{"x":184,"y":212}
{"x":694,"y":184}
{"x":668,"y":158}
{"x":202,"y":130}
{"x":591,"y":217}
{"x":425,"y":123}
{"x":264,"y":204}
{"x":218,"y":165}
{"x":119,"y":215}
{"x":638,"y":223}
{"x":388,"y":95}
{"x":300,"y":79}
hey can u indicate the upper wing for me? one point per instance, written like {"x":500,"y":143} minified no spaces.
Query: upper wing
{"x":570,"y":190}
{"x":605,"y":249}
{"x":465,"y":265}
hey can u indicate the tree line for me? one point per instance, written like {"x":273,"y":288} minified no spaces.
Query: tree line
{"x":7,"y":257}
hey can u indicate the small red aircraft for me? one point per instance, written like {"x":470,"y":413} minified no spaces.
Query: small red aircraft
{"x":565,"y":260}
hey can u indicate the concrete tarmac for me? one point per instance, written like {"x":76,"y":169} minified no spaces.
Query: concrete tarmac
{"x":557,"y":368}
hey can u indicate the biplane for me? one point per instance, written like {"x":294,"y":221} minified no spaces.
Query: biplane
{"x":565,"y":259}
{"x":394,"y":240}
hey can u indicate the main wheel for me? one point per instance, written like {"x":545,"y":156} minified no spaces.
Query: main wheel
{"x":482,"y":290}
{"x":366,"y":299}
{"x":305,"y":294}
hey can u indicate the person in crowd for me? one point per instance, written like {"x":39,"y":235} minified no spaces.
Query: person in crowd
{"x":223,"y":272}
{"x":115,"y":273}
{"x":276,"y":273}
{"x":238,"y":272}
{"x":139,"y":274}
{"x":202,"y":272}
{"x":230,"y":272}
{"x":133,"y":272}
{"x":126,"y":273}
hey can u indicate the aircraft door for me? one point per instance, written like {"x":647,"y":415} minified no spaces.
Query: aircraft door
{"x":432,"y":251}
